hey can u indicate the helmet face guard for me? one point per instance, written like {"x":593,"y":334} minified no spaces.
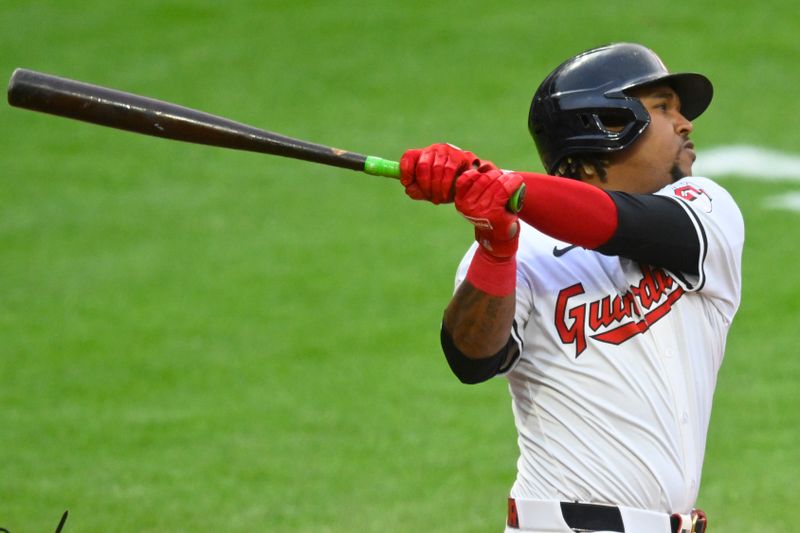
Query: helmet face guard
{"x":583,"y":106}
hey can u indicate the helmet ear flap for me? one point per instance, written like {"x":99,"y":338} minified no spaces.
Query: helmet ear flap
{"x":603,"y":121}
{"x":611,"y":121}
{"x":614,"y":120}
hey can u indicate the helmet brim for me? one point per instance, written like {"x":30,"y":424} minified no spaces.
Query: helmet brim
{"x":694,"y":90}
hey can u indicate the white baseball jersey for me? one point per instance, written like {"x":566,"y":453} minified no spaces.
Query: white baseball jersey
{"x":612,"y":391}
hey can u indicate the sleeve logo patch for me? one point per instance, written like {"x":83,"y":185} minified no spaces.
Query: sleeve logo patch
{"x":698,"y":197}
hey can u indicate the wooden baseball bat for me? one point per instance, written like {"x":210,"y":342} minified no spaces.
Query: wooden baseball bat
{"x":77,"y":100}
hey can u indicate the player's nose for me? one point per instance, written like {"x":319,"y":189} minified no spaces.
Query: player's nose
{"x":683,"y":126}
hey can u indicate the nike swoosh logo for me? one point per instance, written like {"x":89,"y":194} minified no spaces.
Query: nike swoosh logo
{"x":558,"y":252}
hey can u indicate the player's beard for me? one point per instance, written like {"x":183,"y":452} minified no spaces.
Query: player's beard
{"x":676,"y":172}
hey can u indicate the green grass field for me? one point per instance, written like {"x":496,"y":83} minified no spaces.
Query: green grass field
{"x":200,"y":339}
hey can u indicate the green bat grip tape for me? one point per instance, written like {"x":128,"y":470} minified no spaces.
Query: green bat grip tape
{"x":382,"y":167}
{"x":378,"y":166}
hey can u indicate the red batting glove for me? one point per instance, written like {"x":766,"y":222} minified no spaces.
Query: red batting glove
{"x":430,"y":173}
{"x":482,"y":196}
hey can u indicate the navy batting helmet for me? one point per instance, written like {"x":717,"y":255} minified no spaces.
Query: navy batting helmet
{"x":582,"y":107}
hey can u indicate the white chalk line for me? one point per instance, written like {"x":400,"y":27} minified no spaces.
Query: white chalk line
{"x":753,"y":163}
{"x":789,"y":201}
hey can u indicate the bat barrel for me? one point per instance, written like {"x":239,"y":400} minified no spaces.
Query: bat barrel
{"x":46,"y":93}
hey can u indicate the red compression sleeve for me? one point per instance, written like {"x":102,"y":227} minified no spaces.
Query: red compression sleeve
{"x":568,"y":210}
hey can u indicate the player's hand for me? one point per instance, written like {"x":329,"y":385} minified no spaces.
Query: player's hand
{"x":430,"y":173}
{"x":482,"y":196}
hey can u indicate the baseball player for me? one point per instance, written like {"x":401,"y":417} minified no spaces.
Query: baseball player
{"x":605,"y":302}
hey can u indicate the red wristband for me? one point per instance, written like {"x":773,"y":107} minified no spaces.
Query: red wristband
{"x":495,"y":276}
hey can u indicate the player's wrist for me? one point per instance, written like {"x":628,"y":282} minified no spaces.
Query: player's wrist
{"x":499,"y":242}
{"x":496,"y":276}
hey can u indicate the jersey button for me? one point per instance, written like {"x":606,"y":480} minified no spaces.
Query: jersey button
{"x":685,"y":417}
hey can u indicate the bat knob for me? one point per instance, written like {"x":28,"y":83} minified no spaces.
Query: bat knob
{"x":517,"y":199}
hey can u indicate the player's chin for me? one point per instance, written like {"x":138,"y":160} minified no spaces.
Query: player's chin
{"x":687,"y":158}
{"x":681,"y":168}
